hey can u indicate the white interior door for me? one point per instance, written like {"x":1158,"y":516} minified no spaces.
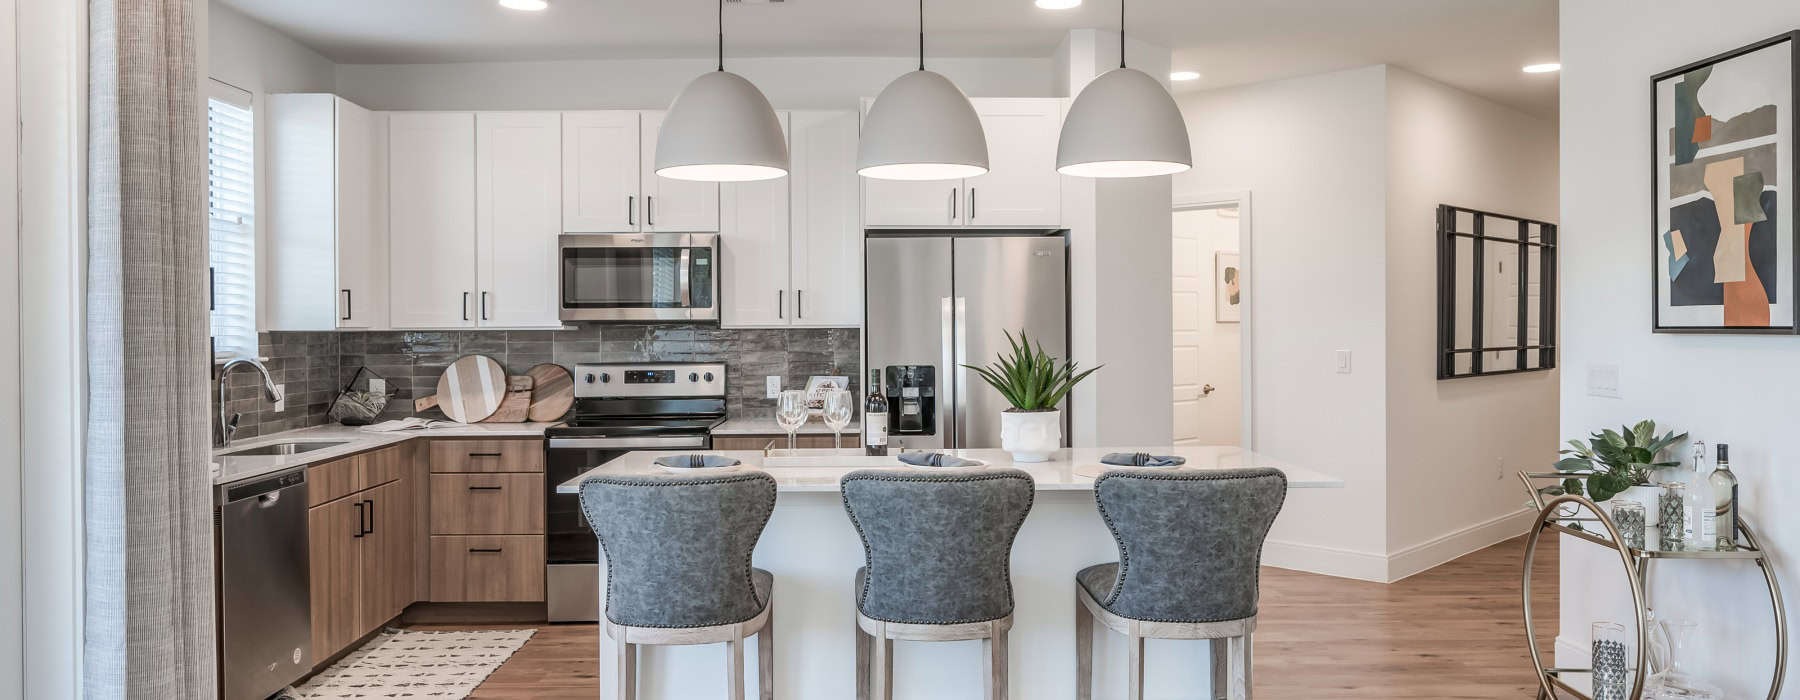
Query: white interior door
{"x":1022,"y":187}
{"x":518,"y":203}
{"x":600,"y":172}
{"x":676,"y":206}
{"x":827,"y":220}
{"x":1208,"y":392}
{"x":431,"y":219}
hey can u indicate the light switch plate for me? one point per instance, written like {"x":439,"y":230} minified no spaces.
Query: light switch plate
{"x":1343,"y":362}
{"x":1603,"y":381}
{"x":773,"y":386}
{"x":280,"y":398}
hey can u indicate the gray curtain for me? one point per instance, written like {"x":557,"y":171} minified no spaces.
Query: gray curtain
{"x":149,"y":592}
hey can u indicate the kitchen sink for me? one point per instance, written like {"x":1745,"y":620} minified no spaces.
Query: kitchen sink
{"x":284,"y":448}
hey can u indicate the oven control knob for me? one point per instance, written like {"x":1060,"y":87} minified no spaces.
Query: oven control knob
{"x":589,"y":378}
{"x":709,"y":377}
{"x":693,"y":376}
{"x":605,"y":377}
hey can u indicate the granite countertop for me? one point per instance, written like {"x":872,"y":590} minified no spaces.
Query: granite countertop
{"x":765,"y":425}
{"x":227,"y":468}
{"x":1068,"y":469}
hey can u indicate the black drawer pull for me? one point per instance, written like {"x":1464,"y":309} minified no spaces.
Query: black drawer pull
{"x":360,"y":531}
{"x":483,"y":550}
{"x":484,"y":454}
{"x":486,"y":488}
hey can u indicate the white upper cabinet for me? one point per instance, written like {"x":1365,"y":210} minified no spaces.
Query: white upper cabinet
{"x":324,"y":265}
{"x":600,"y":172}
{"x":1020,"y":190}
{"x":1021,"y":187}
{"x":676,"y":206}
{"x":791,"y":248}
{"x":827,"y":230}
{"x":754,"y":252}
{"x":518,"y":209}
{"x":431,"y":188}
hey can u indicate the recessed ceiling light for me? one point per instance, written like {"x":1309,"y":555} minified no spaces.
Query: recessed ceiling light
{"x":526,"y":5}
{"x":1543,"y":68}
{"x":1058,"y":4}
{"x":1184,"y":75}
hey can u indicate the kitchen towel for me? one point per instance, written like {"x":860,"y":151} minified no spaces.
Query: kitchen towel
{"x":936,"y":459}
{"x":698,"y":461}
{"x":1142,"y":459}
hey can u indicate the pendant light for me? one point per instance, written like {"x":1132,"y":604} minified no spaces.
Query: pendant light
{"x":922,"y":127}
{"x":721,"y":129}
{"x":1123,"y":124}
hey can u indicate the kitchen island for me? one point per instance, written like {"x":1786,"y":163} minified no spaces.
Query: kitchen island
{"x":813,"y":551}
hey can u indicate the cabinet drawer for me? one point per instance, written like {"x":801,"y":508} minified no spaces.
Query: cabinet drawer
{"x":487,"y":568}
{"x":487,"y":504}
{"x":339,"y":478}
{"x":461,"y":456}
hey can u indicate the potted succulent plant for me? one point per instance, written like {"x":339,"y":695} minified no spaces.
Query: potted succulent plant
{"x":1616,"y":462}
{"x":1035,"y":384}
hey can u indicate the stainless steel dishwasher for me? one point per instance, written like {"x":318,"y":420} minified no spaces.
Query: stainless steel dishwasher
{"x":264,"y":593}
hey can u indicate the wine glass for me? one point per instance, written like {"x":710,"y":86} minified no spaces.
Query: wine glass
{"x":790,"y":413}
{"x":840,"y":406}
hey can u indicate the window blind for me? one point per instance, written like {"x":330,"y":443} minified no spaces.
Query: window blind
{"x":231,"y":220}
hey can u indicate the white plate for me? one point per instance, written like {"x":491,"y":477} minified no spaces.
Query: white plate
{"x":977,"y":465}
{"x":699,"y":470}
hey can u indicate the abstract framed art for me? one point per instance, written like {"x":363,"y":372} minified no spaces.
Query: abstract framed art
{"x":1722,"y":190}
{"x":1228,"y":285}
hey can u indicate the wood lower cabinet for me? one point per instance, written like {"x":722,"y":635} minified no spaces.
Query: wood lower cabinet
{"x":487,"y":504}
{"x":487,"y":521}
{"x":363,"y":547}
{"x":487,"y":568}
{"x":336,"y":553}
{"x":852,"y":439}
{"x":455,"y":456}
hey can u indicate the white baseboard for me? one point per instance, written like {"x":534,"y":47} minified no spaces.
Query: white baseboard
{"x":1328,"y":561}
{"x":1429,"y":554}
{"x":1367,"y":566}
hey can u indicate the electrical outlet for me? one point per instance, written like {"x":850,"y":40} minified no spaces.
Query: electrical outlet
{"x":1343,"y":362}
{"x":1603,"y":381}
{"x":773,"y":386}
{"x":280,"y":398}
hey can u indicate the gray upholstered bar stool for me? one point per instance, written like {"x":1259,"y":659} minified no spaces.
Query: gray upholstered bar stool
{"x":1189,"y":543}
{"x":938,"y":550}
{"x":678,"y":567}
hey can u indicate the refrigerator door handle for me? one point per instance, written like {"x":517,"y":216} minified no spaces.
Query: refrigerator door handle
{"x":962,"y":373}
{"x":947,"y":391}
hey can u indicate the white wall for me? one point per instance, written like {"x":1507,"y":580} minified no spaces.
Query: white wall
{"x":1453,"y":446}
{"x":12,"y":551}
{"x":790,"y":83}
{"x":1737,"y":389}
{"x":1311,"y":152}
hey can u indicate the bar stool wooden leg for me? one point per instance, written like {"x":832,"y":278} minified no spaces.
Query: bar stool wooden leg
{"x":734,"y":661}
{"x":1084,"y":650}
{"x":1221,"y":668}
{"x":1134,"y":666}
{"x":863,"y":651}
{"x":996,"y":644}
{"x":765,"y":656}
{"x":624,"y":664}
{"x":881,"y":681}
{"x":1249,"y":664}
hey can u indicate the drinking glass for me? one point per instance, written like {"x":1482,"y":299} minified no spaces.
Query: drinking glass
{"x":1611,"y":665}
{"x":790,"y":413}
{"x":840,"y":406}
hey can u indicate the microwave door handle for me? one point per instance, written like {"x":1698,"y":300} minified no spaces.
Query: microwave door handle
{"x":687,"y":289}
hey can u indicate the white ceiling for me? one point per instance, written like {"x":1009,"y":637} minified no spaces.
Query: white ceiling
{"x":1478,"y":45}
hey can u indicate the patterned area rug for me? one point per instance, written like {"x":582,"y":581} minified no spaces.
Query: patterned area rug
{"x":411,"y":664}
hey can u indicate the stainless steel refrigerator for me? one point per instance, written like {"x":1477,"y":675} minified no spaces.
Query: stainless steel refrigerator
{"x":948,"y":300}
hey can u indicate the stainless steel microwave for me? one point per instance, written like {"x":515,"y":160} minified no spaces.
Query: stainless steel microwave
{"x":640,"y":277}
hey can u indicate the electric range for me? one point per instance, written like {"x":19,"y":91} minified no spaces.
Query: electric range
{"x":619,"y":408}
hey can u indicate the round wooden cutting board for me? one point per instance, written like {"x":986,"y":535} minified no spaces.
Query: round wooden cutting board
{"x":552,"y":392}
{"x":472,"y":388}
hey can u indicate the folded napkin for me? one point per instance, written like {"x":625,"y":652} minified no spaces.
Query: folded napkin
{"x":1142,"y":459}
{"x":696,"y":461}
{"x":935,"y":459}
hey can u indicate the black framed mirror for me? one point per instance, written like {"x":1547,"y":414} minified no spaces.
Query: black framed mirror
{"x":1496,"y":293}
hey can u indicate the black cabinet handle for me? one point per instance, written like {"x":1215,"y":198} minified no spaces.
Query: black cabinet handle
{"x":371,"y":512}
{"x":649,"y":210}
{"x":484,"y":454}
{"x":465,"y":306}
{"x":484,"y":550}
{"x":347,"y":306}
{"x":485,"y":488}
{"x":780,"y":303}
{"x":799,"y":303}
{"x":359,"y":519}
{"x":631,"y":210}
{"x":212,"y":289}
{"x":484,"y":306}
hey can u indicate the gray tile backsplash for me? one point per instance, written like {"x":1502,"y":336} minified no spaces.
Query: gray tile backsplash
{"x":412,"y":361}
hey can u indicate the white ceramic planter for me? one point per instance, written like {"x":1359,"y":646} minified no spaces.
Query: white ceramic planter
{"x":1031,"y":435}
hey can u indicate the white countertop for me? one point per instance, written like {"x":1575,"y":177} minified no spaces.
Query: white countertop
{"x":1067,"y":470}
{"x":228,"y":468}
{"x":766,"y":426}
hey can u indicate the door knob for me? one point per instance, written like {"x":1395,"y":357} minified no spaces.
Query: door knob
{"x":1207,"y":390}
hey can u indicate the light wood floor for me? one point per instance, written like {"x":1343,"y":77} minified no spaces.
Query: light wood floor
{"x":1452,"y":632}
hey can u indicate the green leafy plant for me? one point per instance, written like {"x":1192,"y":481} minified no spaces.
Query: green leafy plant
{"x":1029,"y":378}
{"x":1615,"y":460}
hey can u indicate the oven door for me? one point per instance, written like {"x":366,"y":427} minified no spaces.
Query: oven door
{"x":639,"y":277}
{"x":572,"y":553}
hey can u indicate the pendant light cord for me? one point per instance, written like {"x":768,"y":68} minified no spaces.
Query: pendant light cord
{"x":721,"y":35}
{"x":921,"y":34}
{"x":1121,"y":33}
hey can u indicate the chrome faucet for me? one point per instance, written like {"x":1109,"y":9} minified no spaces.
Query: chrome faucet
{"x":228,"y":421}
